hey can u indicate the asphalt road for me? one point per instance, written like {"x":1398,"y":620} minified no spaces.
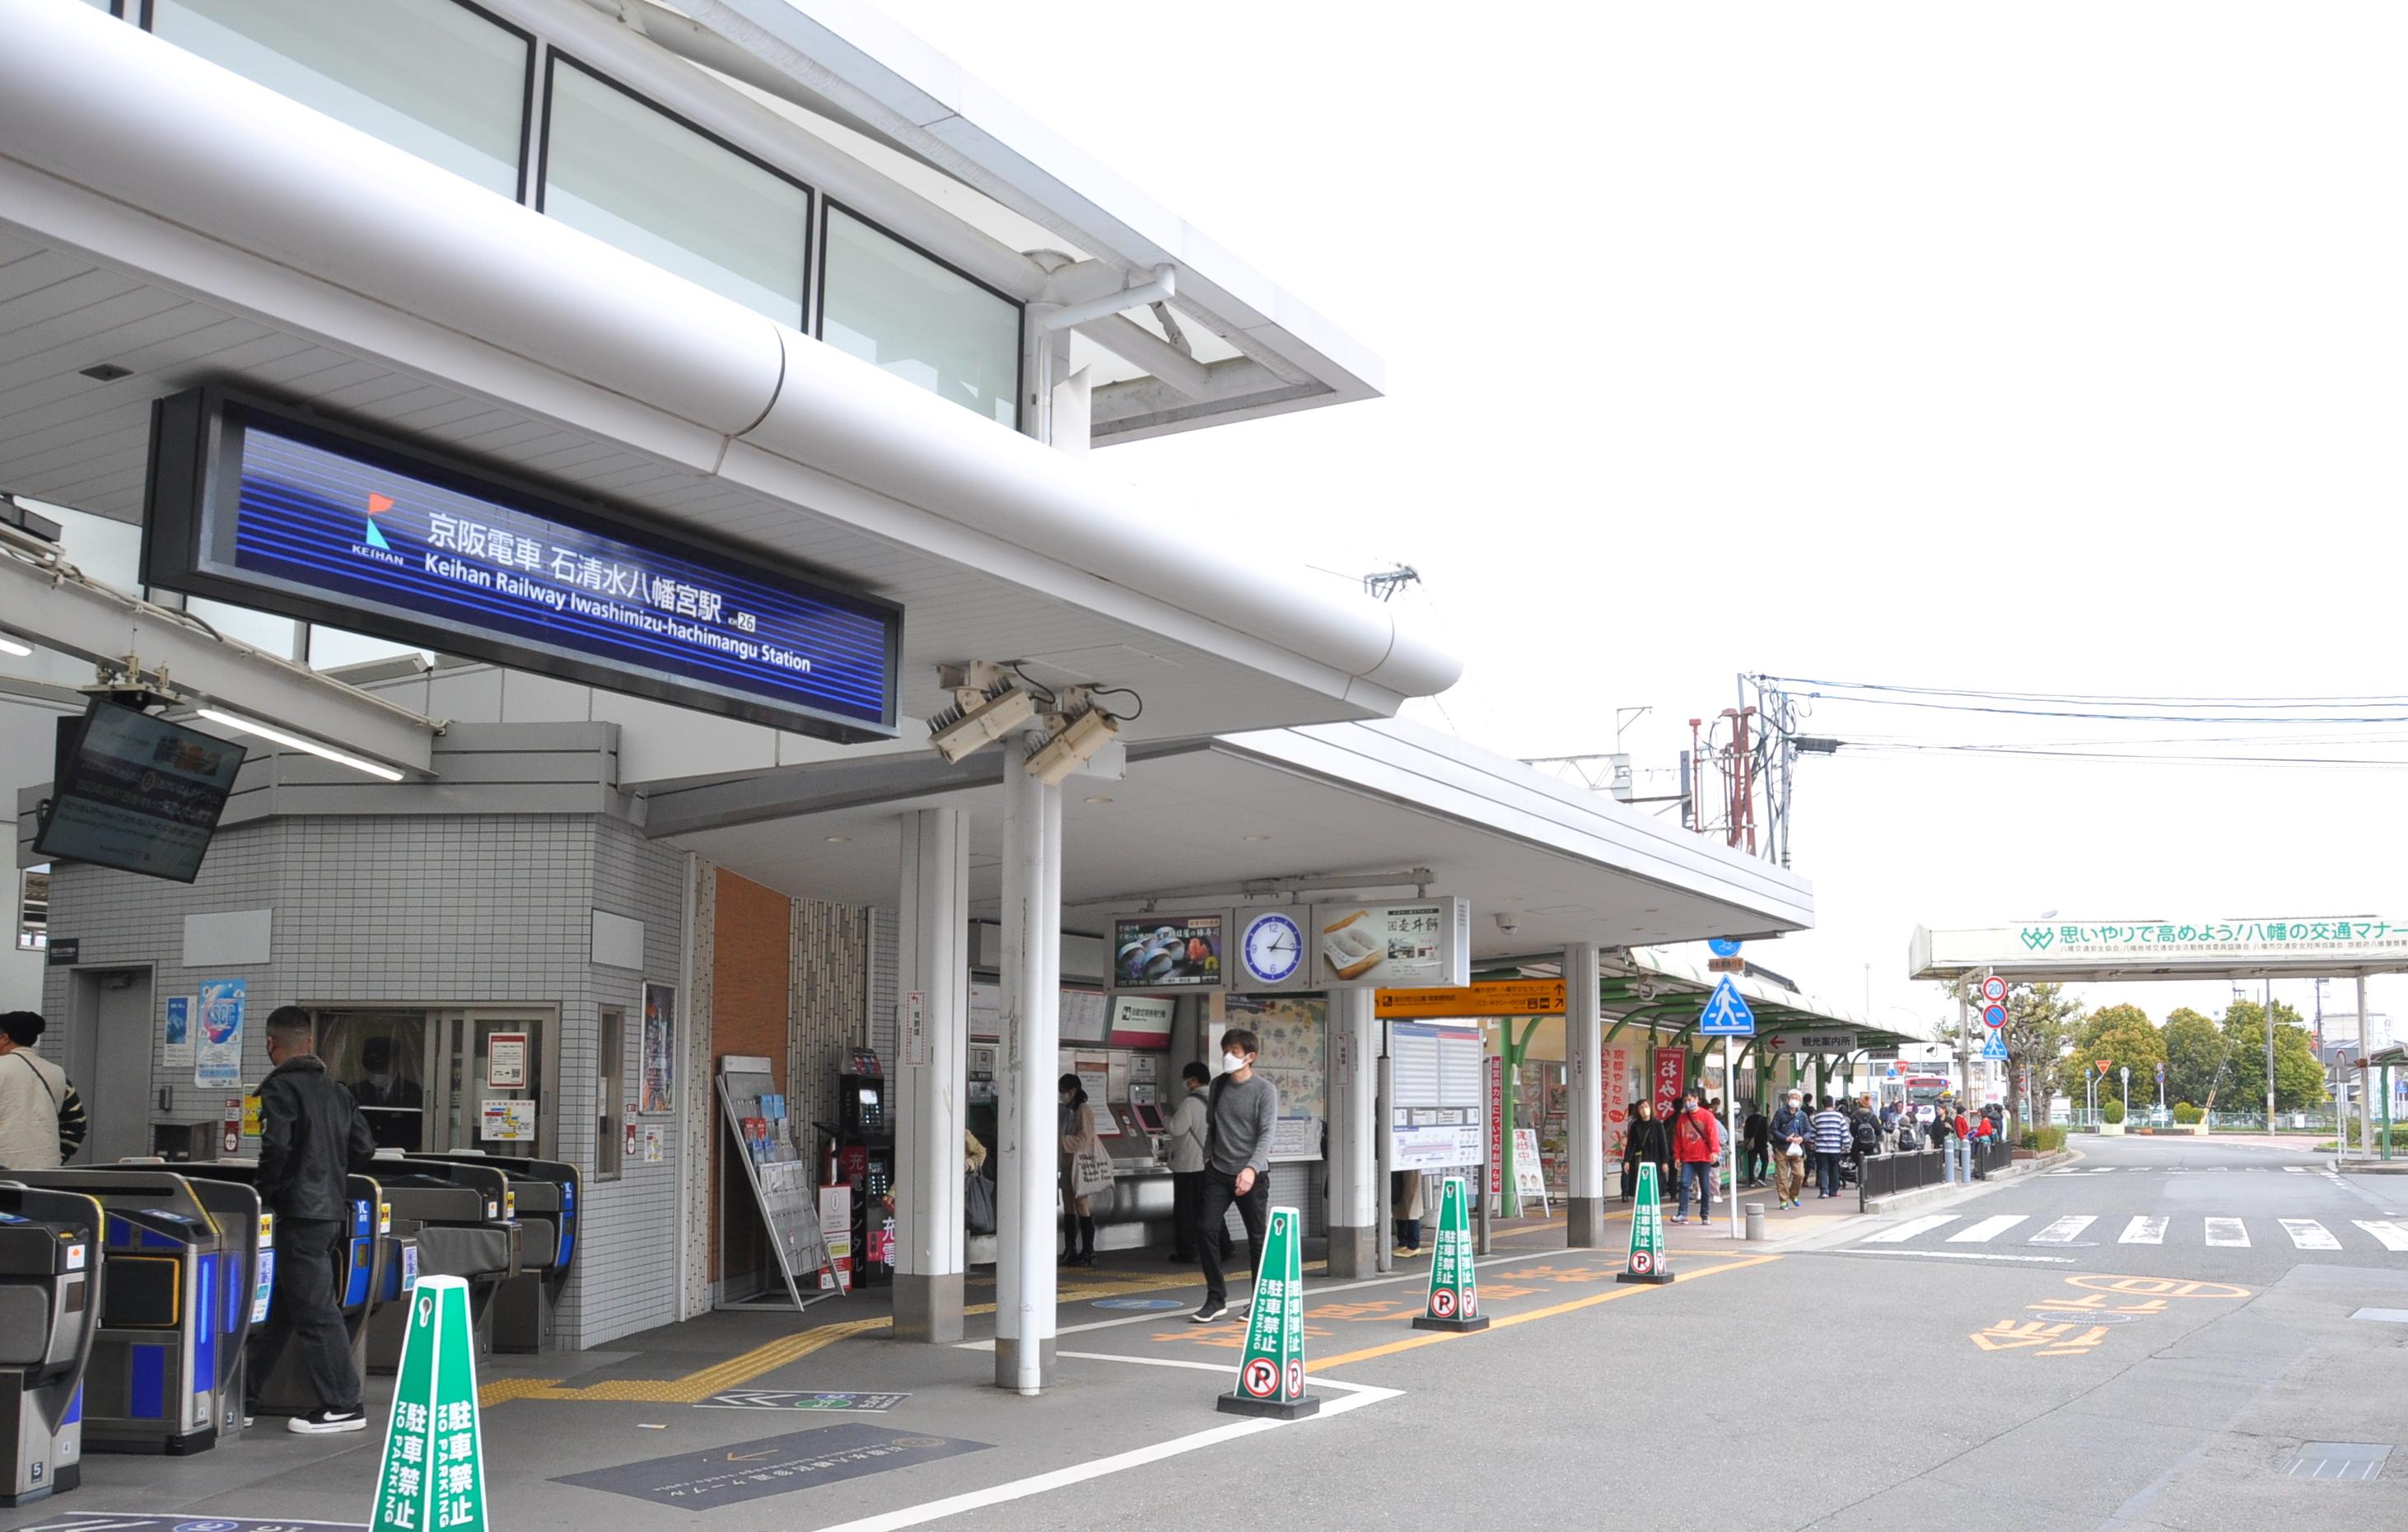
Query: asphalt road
{"x":1957,"y":1374}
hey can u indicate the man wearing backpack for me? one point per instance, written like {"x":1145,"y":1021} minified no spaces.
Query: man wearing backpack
{"x":1698,"y":1152}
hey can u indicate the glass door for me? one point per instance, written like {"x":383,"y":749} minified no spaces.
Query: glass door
{"x":386,"y":1057}
{"x":494,"y":1084}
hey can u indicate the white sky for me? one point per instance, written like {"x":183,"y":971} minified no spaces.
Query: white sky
{"x":2049,"y":347}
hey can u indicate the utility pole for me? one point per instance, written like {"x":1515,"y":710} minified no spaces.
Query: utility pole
{"x":2270,"y":1055}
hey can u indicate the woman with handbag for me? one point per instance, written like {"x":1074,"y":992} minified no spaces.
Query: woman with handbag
{"x":1086,"y":1169}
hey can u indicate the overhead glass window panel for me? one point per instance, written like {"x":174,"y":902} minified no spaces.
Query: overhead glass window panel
{"x":917,"y":318}
{"x":625,"y":172}
{"x":433,"y":77}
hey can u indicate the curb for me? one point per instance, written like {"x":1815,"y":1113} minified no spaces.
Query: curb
{"x":2019,"y":1171}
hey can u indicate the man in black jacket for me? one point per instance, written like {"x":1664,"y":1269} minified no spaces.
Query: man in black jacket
{"x":310,"y":1137}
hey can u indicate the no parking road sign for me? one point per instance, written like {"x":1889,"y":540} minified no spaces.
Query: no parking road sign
{"x":1994,"y":1017}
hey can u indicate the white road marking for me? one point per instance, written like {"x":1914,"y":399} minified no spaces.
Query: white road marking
{"x":2229,"y":1232}
{"x":1986,"y":1230}
{"x":2307,"y":1234}
{"x":2295,"y":1169}
{"x":2065,"y":1230}
{"x":1356,"y":1396}
{"x":2144,"y":1231}
{"x":1966,"y":1255}
{"x":1909,"y":1229}
{"x":2392,"y":1235}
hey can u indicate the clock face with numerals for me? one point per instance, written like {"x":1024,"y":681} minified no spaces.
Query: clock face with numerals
{"x":1273,"y":949}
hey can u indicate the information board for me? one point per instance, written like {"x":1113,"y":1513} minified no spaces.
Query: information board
{"x":299,"y":516}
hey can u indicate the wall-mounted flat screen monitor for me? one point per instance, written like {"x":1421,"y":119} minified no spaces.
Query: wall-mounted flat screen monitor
{"x":304,"y":517}
{"x":1171,"y":951}
{"x":137,"y":793}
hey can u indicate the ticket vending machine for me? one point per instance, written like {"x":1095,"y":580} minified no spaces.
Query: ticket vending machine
{"x":152,"y":1383}
{"x":865,"y":1148}
{"x":546,"y":1196}
{"x":49,"y":1315}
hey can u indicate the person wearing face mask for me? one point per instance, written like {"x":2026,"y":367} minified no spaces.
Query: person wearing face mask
{"x":1240,"y":1113}
{"x":1188,"y":1129}
{"x":390,"y":1101}
{"x":1078,"y":1137}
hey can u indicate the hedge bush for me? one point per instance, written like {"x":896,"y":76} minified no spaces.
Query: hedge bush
{"x":2187,"y":1114}
{"x":2112,"y":1113}
{"x":2045,"y":1140}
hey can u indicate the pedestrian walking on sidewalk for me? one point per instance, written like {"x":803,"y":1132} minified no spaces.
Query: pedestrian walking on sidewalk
{"x":1241,"y":1111}
{"x":1646,"y":1143}
{"x":1698,"y":1149}
{"x":1791,"y":1129}
{"x":1755,"y":1143}
{"x":1831,"y":1140}
{"x":1187,"y":1144}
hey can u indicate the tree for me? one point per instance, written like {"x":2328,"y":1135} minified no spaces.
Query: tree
{"x":2195,"y":1053}
{"x":2121,"y":1034}
{"x":2298,"y":1078}
{"x":2040,"y":1022}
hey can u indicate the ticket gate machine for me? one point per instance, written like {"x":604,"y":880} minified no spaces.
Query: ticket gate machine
{"x":50,"y":1314}
{"x":171,"y":1334}
{"x":359,"y":1286}
{"x":545,"y":1194}
{"x":459,"y":1214}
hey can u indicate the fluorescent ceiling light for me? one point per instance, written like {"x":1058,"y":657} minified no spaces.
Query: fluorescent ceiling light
{"x":10,"y":646}
{"x":327,"y":752}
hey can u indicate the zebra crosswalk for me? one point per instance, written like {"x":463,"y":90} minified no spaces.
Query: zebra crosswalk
{"x":2189,"y":1170}
{"x":2144,"y":1229}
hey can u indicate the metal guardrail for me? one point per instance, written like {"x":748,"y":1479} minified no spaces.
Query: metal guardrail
{"x":1887,"y":1175}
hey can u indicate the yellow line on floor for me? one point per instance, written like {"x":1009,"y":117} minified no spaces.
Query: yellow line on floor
{"x":744,"y":1366}
{"x":1432,"y":1338}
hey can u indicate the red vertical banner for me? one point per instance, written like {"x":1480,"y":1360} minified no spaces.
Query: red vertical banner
{"x":1671,"y":1073}
{"x":1495,"y":1126}
{"x":1616,"y":1102}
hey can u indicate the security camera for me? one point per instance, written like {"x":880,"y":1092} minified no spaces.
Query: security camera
{"x":1507,"y":922}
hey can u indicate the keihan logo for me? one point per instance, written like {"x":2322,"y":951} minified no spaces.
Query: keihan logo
{"x":372,"y":544}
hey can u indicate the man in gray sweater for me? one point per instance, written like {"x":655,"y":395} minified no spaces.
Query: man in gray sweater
{"x":1237,"y":1162}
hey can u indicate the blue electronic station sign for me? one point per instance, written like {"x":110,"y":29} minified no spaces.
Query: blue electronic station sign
{"x":257,"y":506}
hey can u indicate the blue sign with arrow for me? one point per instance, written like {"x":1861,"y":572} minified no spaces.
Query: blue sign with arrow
{"x":1726,"y":1014}
{"x":1723,"y":947}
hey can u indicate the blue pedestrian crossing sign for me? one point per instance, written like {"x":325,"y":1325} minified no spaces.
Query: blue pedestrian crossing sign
{"x":1726,"y":1014}
{"x":1995,"y":1047}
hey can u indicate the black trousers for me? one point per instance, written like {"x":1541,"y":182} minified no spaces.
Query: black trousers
{"x":1187,"y":1217}
{"x":305,"y":1309}
{"x":1253,"y":1211}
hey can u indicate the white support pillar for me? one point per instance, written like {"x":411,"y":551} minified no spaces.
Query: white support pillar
{"x":930,"y":1071}
{"x":1032,"y":1033}
{"x":1354,"y":1207}
{"x":2365,"y":1087}
{"x":1584,"y":1098}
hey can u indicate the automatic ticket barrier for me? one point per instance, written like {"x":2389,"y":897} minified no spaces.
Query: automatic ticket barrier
{"x":460,"y":1213}
{"x":49,"y":1315}
{"x":544,"y":1197}
{"x":359,"y":1284}
{"x":182,"y":1262}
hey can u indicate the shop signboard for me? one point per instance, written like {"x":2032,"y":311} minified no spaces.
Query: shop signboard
{"x":1421,"y":945}
{"x":1142,"y":1020}
{"x":1672,"y":1074}
{"x":1496,"y":997}
{"x":1170,"y":951}
{"x":433,"y":1475}
{"x":1825,"y":1040}
{"x":1495,"y":1126}
{"x":1617,"y":1100}
{"x":1270,"y":1372}
{"x":1454,"y":1301}
{"x":302,"y":517}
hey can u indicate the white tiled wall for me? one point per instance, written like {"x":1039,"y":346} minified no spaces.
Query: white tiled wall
{"x":431,"y":910}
